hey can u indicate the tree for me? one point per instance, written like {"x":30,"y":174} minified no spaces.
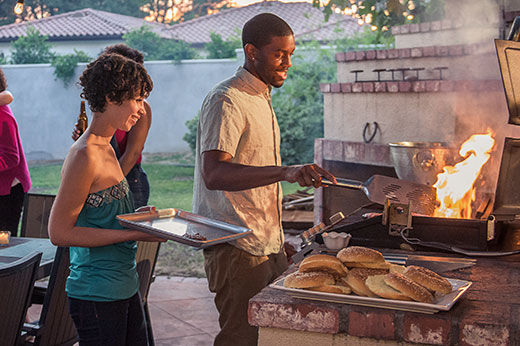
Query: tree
{"x":220,"y":49}
{"x":36,"y":9}
{"x":299,"y":103}
{"x":155,"y":47}
{"x":32,"y":48}
{"x":381,"y":15}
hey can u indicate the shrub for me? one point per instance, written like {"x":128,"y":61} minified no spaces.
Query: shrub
{"x":64,"y":65}
{"x":155,"y":47}
{"x":190,"y":137}
{"x":220,"y":49}
{"x":32,"y":48}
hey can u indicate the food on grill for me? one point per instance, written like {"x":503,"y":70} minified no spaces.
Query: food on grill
{"x":356,"y":280}
{"x":376,"y":284}
{"x":308,"y":280}
{"x":195,"y":236}
{"x":408,"y":288}
{"x":323,"y":263}
{"x":362,"y":257}
{"x":429,"y":279}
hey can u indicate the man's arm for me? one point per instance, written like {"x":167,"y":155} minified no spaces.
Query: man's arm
{"x":219,"y":173}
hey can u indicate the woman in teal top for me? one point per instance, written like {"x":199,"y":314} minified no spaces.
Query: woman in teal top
{"x":103,"y":285}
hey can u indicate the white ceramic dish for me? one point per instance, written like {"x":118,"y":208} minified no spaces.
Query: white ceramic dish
{"x":335,"y":240}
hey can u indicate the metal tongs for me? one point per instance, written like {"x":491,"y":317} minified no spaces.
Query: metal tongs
{"x":446,"y":247}
{"x":307,"y":237}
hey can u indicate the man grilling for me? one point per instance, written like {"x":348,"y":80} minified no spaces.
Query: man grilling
{"x":238,"y":173}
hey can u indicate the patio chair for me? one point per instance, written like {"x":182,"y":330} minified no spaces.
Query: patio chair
{"x":35,"y":216}
{"x":55,"y":326}
{"x":146,"y":258}
{"x":16,"y":286}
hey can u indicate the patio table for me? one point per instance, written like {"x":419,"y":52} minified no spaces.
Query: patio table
{"x":19,"y":247}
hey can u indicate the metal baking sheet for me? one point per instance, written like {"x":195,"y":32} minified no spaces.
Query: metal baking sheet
{"x":178,"y":225}
{"x":441,"y":303}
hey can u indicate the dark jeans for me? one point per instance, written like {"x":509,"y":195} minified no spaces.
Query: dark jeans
{"x":11,"y":209}
{"x":114,"y":323}
{"x":138,"y":182}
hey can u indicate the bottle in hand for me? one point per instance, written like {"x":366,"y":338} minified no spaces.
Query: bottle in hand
{"x":82,"y":119}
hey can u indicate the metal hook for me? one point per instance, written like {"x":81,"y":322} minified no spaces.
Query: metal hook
{"x":366,"y":130}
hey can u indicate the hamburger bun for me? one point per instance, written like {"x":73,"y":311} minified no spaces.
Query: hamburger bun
{"x":376,"y":284}
{"x":396,"y":268}
{"x":408,"y":288}
{"x":307,"y":280}
{"x":323,"y":263}
{"x":372,"y":265}
{"x":356,"y":280}
{"x":429,"y":279}
{"x":360,"y":254}
{"x":332,"y":289}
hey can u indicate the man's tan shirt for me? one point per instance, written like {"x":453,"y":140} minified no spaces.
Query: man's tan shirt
{"x":237,"y":117}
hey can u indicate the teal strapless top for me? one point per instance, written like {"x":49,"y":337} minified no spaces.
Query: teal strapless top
{"x":104,"y":273}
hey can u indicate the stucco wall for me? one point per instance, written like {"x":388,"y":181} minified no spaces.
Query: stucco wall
{"x":46,"y":110}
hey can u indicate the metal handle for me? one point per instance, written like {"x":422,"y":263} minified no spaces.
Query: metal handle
{"x":425,"y":159}
{"x":307,"y":235}
{"x":346,"y":183}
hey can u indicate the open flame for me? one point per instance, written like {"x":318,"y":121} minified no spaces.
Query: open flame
{"x":455,"y":185}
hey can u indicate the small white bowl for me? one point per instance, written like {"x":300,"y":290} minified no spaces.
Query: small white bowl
{"x":335,"y":240}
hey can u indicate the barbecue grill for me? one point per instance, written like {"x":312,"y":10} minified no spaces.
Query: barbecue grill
{"x":494,"y":226}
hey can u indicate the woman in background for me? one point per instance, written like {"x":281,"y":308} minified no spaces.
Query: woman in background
{"x":103,"y":285}
{"x":14,"y":174}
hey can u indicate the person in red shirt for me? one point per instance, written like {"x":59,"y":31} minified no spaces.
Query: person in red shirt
{"x":14,"y":173}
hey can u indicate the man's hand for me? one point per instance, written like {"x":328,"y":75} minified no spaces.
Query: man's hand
{"x":307,"y":175}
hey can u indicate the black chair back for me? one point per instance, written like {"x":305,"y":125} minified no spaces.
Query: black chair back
{"x":35,"y":215}
{"x":16,"y":286}
{"x":55,"y":326}
{"x":146,"y":258}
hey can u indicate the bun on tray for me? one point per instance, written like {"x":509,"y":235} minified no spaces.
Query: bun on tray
{"x":408,"y":288}
{"x":308,"y":280}
{"x":332,"y":289}
{"x":362,"y":257}
{"x":323,"y":263}
{"x":356,"y":278}
{"x":376,"y":284}
{"x":429,"y":279}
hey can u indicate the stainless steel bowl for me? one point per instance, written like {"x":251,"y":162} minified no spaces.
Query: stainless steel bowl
{"x":421,"y":161}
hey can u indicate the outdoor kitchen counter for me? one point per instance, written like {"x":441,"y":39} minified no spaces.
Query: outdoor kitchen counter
{"x":488,"y":314}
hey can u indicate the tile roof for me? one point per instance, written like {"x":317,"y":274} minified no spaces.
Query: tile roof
{"x":80,"y":25}
{"x":305,"y":20}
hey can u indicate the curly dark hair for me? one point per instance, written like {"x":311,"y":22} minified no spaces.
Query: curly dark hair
{"x":115,"y":77}
{"x":125,"y":51}
{"x":3,"y":81}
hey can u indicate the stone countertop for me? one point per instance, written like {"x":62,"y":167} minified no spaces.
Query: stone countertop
{"x":489,"y":312}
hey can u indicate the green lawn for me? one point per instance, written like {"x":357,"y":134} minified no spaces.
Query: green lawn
{"x":171,"y":186}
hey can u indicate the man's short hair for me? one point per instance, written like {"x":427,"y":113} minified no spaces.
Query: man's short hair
{"x":260,"y":30}
{"x":114,"y":77}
